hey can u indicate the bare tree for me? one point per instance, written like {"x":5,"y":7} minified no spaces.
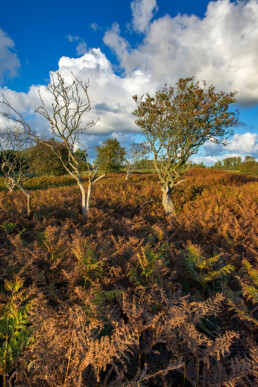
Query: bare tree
{"x":64,"y":108}
{"x":13,"y":141}
{"x":135,"y":153}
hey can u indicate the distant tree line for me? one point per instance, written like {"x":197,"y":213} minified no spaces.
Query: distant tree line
{"x":249,"y":166}
{"x":39,"y":159}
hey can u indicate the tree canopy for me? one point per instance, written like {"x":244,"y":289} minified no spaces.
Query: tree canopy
{"x":110,"y":156}
{"x":177,"y":121}
{"x":43,"y":161}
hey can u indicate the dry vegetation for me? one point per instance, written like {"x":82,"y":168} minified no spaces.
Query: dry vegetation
{"x":129,"y":297}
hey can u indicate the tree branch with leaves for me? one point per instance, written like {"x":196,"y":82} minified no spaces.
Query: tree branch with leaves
{"x":177,"y":121}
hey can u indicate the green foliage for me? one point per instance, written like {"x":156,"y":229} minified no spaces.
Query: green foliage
{"x":196,"y":165}
{"x":16,"y":158}
{"x":249,"y":281}
{"x":218,"y":165}
{"x":148,"y":266}
{"x":43,"y":161}
{"x":91,"y":266}
{"x":177,"y":121}
{"x":231,"y":163}
{"x":114,"y":294}
{"x":110,"y":156}
{"x":241,"y":310}
{"x":8,"y":227}
{"x":249,"y":168}
{"x":204,"y":270}
{"x":82,"y":158}
{"x":145,"y":164}
{"x":14,"y":325}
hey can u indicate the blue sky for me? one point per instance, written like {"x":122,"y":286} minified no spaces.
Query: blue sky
{"x":133,"y":47}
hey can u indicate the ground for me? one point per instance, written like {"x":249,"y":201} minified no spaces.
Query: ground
{"x":129,"y":296}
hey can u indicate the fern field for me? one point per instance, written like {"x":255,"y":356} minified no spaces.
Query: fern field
{"x":130,"y":297}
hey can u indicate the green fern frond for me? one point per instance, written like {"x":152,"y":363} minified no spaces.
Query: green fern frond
{"x":213,"y":275}
{"x":111,"y":295}
{"x":14,"y":325}
{"x":8,"y":227}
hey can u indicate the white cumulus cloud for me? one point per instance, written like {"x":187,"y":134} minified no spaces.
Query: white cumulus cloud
{"x":95,"y":26}
{"x":143,"y":11}
{"x":110,"y":95}
{"x":239,"y":145}
{"x":221,"y":47}
{"x":246,"y":143}
{"x":81,"y":48}
{"x":9,"y":62}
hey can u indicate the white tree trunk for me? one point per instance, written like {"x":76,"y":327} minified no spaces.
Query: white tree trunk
{"x":166,"y":200}
{"x":84,"y":205}
{"x":127,"y":175}
{"x":28,"y":201}
{"x":28,"y":205}
{"x":89,"y":197}
{"x":14,"y":182}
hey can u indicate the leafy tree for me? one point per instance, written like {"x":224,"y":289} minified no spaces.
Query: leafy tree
{"x":198,"y":165}
{"x":82,"y":158}
{"x":249,"y":158}
{"x":231,"y":162}
{"x":145,"y":164}
{"x":249,"y":167}
{"x":218,"y":165}
{"x":43,"y":161}
{"x":176,"y":122}
{"x":110,"y":156}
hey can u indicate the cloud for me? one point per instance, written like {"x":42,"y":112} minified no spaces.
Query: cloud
{"x":110,"y":95}
{"x":210,"y":160}
{"x":95,"y":26}
{"x":221,"y":47}
{"x":9,"y":62}
{"x":207,"y":160}
{"x":212,"y":149}
{"x":246,"y":143}
{"x":143,"y":11}
{"x":81,"y":47}
{"x":118,"y":44}
{"x":72,"y":38}
{"x":240,"y":145}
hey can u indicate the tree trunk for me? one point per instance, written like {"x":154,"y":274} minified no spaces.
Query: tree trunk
{"x":166,"y":200}
{"x":127,"y":175}
{"x":84,"y":205}
{"x":28,"y":205}
{"x":89,"y":197}
{"x":28,"y":199}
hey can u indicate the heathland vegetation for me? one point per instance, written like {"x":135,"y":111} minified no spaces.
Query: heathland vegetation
{"x":129,"y":296}
{"x":128,"y":286}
